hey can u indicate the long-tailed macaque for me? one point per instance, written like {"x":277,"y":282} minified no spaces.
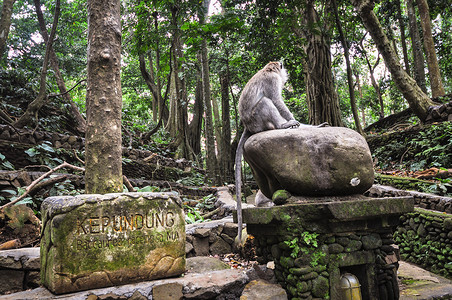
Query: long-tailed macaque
{"x":261,"y":108}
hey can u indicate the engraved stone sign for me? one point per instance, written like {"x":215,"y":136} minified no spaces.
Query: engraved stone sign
{"x":93,"y":241}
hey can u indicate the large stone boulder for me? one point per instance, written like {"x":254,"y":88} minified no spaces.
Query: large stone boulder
{"x":310,"y":161}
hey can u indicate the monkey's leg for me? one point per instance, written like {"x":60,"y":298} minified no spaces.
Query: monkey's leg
{"x":265,"y":116}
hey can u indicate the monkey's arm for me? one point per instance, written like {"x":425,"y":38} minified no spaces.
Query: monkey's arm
{"x":276,"y":97}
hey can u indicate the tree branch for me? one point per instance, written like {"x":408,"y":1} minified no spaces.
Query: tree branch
{"x":34,"y":183}
{"x":56,"y":95}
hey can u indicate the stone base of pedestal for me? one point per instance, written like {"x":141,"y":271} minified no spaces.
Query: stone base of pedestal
{"x":314,"y":243}
{"x":94,"y":241}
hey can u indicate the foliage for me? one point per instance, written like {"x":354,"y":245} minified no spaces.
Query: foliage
{"x":44,"y":154}
{"x":14,"y":194}
{"x":196,"y":179}
{"x":442,"y":187}
{"x":306,"y":243}
{"x":431,"y":147}
{"x":194,"y":215}
{"x":148,"y":188}
{"x":5,"y":163}
{"x":64,"y":188}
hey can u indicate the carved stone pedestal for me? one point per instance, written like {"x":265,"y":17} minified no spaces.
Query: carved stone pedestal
{"x":94,"y":241}
{"x":314,"y":241}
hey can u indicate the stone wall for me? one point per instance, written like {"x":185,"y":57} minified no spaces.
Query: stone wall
{"x":314,"y":242}
{"x":425,"y":235}
{"x":309,"y":273}
{"x":22,"y":139}
{"x":210,"y":238}
{"x":425,"y":238}
{"x":422,"y":200}
{"x":440,"y":113}
{"x":19,"y":270}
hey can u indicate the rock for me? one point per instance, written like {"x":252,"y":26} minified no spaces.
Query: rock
{"x":201,"y":232}
{"x":262,"y":290}
{"x":280,"y":197}
{"x":201,"y":246}
{"x":97,"y":240}
{"x":230,"y":229}
{"x":320,"y":287}
{"x":12,"y":281}
{"x":169,"y":291}
{"x":223,"y":284}
{"x":353,"y":246}
{"x":335,"y":248}
{"x":20,"y":223}
{"x":220,"y":246}
{"x":310,"y":161}
{"x":447,"y":224}
{"x":371,"y":241}
{"x":263,"y":272}
{"x":32,"y":279}
{"x":188,"y":247}
{"x":227,"y":238}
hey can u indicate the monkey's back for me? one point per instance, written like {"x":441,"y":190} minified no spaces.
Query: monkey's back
{"x":265,"y":83}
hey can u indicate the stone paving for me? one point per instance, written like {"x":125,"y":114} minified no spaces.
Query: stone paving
{"x":208,"y":278}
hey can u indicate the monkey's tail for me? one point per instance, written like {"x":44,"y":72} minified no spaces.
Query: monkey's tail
{"x":238,"y":181}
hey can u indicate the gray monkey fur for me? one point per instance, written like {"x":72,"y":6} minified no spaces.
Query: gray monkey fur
{"x":261,"y":108}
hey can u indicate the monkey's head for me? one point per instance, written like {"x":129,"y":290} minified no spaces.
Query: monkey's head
{"x":277,"y":67}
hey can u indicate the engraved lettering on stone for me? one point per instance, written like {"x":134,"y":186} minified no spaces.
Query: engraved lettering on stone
{"x":97,"y":232}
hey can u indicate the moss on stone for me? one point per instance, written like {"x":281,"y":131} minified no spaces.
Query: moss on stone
{"x":281,"y":196}
{"x":127,"y":237}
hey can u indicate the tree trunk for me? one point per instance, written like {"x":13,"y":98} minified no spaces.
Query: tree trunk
{"x":212,"y":163}
{"x":323,"y":102}
{"x":5,"y":23}
{"x":171,"y":125}
{"x":180,"y":107}
{"x":351,"y":90}
{"x":103,"y":157}
{"x":35,"y":105}
{"x":372,"y":77}
{"x":79,"y":120}
{"x":403,"y":37}
{"x":195,"y":127}
{"x":227,"y":167}
{"x":417,"y":99}
{"x":159,"y":108}
{"x":416,"y":46}
{"x":429,"y":48}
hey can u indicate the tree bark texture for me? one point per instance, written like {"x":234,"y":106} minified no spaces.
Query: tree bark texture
{"x":159,"y":108}
{"x":212,"y":162}
{"x":351,"y":90}
{"x":417,"y":99}
{"x":403,"y":37}
{"x":429,"y":48}
{"x":227,"y":167}
{"x":5,"y":23}
{"x":103,"y":154}
{"x":79,"y":120}
{"x":180,"y":123}
{"x":323,"y":102}
{"x":416,"y":45}
{"x":36,"y":104}
{"x":372,"y":77}
{"x":195,"y":127}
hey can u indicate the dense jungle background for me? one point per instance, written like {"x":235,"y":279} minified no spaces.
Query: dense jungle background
{"x":184,"y":64}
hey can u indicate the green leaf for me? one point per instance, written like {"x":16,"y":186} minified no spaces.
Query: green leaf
{"x":12,"y":192}
{"x":31,"y":152}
